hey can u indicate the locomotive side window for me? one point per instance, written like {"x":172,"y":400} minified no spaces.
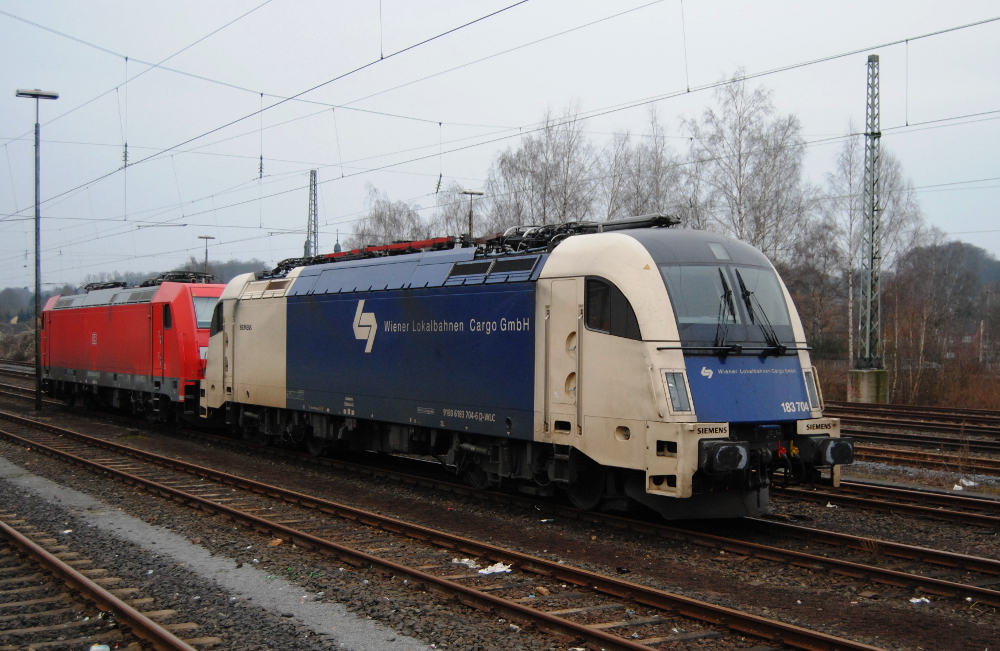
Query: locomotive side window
{"x":203,"y":306}
{"x":218,"y":320}
{"x":168,"y":317}
{"x":607,"y":310}
{"x":598,"y":306}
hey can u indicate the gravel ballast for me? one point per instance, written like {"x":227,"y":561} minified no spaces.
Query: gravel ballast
{"x":185,"y":574}
{"x":819,"y":600}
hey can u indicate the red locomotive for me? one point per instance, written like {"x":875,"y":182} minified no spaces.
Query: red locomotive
{"x":140,"y":348}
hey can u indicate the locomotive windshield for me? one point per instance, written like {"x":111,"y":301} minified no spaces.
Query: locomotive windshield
{"x":698,"y":294}
{"x":203,"y":307}
{"x":739,"y":304}
{"x":763,"y":285}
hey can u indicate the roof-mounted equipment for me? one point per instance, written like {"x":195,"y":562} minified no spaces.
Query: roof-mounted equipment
{"x":111,"y":284}
{"x":194,"y":277}
{"x":521,"y":239}
{"x":515,"y":240}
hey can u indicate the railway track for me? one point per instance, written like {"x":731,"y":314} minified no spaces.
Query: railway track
{"x":958,"y":566}
{"x":958,"y":462}
{"x":11,"y":371}
{"x":50,"y":598}
{"x":13,"y":368}
{"x":554,"y":597}
{"x":14,"y":362}
{"x":968,"y":510}
{"x":977,"y":416}
{"x":916,"y":418}
{"x":865,"y":453}
{"x":965,"y":509}
{"x":15,"y":391}
{"x":925,"y":441}
{"x":853,"y":560}
{"x":845,"y":561}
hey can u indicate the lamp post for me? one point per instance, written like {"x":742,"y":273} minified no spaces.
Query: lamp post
{"x":38,"y":95}
{"x":471,"y":193}
{"x":206,"y":238}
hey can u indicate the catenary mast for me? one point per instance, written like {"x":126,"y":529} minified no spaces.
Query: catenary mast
{"x":312,"y":227}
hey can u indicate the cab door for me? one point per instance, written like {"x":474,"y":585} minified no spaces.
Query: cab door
{"x":157,"y":319}
{"x":564,"y":320}
{"x":229,"y":345}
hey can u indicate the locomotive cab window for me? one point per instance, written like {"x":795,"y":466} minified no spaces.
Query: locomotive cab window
{"x":203,"y":307}
{"x":701,"y":294}
{"x":607,"y":310}
{"x":218,"y":320}
{"x":168,"y":317}
{"x":765,"y":293}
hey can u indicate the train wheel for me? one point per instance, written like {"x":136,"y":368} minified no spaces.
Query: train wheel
{"x":587,"y":491}
{"x":262,"y":438}
{"x":316,"y":447}
{"x":477,"y":478}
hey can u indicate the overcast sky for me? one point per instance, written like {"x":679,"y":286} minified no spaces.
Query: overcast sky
{"x":442,"y":108}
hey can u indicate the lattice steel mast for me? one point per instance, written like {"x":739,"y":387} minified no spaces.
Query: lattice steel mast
{"x":312,"y":228}
{"x":870,"y":347}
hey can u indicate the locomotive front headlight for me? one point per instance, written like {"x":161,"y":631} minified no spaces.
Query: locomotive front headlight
{"x":716,"y":456}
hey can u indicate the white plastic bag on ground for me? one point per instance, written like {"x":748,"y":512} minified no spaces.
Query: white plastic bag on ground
{"x":468,"y":562}
{"x":498,"y":568}
{"x":920,"y":600}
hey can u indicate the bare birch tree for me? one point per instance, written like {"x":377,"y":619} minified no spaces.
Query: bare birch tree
{"x":452,"y":215}
{"x":843,"y":208}
{"x":901,"y":221}
{"x":751,"y":160}
{"x":549,"y":178}
{"x":387,"y":221}
{"x":641,"y":179}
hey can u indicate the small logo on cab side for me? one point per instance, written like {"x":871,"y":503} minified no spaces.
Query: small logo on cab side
{"x":707,"y":372}
{"x":365,"y":326}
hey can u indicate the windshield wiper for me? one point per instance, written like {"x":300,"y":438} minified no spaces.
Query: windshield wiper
{"x":750,"y":301}
{"x":727,"y":311}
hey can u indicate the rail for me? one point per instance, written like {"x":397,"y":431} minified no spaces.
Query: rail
{"x":140,"y":625}
{"x":667,"y":604}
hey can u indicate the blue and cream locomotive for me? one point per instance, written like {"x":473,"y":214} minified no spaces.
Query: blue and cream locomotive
{"x":622,"y":362}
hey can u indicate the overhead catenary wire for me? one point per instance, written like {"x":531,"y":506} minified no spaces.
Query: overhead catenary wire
{"x":260,"y":176}
{"x":687,"y":77}
{"x":304,"y":92}
{"x":152,"y":66}
{"x":299,"y":231}
{"x":816,"y":142}
{"x":597,"y":177}
{"x":336,"y":134}
{"x":10,"y":174}
{"x":125,"y":146}
{"x":177,"y":183}
{"x":220,"y":83}
{"x":750,"y":76}
{"x":922,"y":36}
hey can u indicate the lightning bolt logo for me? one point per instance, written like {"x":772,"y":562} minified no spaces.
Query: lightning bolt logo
{"x":365,"y":326}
